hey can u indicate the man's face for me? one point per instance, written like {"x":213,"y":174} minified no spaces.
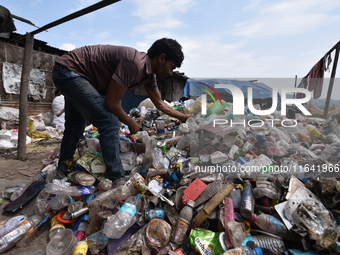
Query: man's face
{"x":166,"y":69}
{"x":163,"y":68}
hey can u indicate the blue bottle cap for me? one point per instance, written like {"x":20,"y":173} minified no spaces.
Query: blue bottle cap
{"x":258,"y":251}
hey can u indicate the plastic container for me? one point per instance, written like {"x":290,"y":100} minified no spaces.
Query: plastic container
{"x":117,"y":224}
{"x":62,"y":243}
{"x":82,"y":178}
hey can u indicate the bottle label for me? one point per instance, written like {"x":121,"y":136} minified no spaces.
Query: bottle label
{"x":278,"y":225}
{"x":129,"y":208}
{"x":85,"y":190}
{"x":81,"y":248}
{"x":58,"y":225}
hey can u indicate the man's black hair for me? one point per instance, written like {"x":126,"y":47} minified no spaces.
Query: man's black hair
{"x":170,"y":47}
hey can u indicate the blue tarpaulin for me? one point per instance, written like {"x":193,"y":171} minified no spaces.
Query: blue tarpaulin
{"x":193,"y":88}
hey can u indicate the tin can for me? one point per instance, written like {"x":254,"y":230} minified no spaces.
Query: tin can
{"x":157,"y":234}
{"x":161,"y":145}
{"x":157,"y":213}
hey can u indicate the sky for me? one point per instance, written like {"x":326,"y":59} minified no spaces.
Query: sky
{"x":244,"y":39}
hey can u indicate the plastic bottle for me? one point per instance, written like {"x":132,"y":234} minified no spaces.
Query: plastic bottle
{"x":269,"y":224}
{"x":56,"y":226}
{"x":234,"y":251}
{"x":59,"y":202}
{"x":38,"y":221}
{"x":247,"y":200}
{"x":19,"y":190}
{"x":60,"y":188}
{"x":118,"y":223}
{"x":11,"y":238}
{"x":249,"y":251}
{"x":268,"y":244}
{"x":81,"y":178}
{"x":96,"y":222}
{"x":97,"y":242}
{"x":187,"y":211}
{"x":80,"y":248}
{"x":122,"y":192}
{"x":80,"y":234}
{"x":105,"y":185}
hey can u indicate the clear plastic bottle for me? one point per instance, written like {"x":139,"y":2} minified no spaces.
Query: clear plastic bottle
{"x":105,"y":185}
{"x":121,"y":192}
{"x":11,"y":238}
{"x":81,"y":178}
{"x":61,"y":188}
{"x":269,"y":245}
{"x":270,"y":224}
{"x":117,"y":225}
{"x":59,"y":202}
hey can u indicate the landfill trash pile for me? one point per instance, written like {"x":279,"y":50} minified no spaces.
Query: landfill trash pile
{"x":264,"y":185}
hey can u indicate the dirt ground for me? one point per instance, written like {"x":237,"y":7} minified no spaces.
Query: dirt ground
{"x":14,"y":172}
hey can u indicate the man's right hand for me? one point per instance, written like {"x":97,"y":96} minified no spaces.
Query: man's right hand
{"x":133,"y":127}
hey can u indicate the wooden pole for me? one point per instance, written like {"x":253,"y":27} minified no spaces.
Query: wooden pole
{"x":25,"y":77}
{"x":331,"y":82}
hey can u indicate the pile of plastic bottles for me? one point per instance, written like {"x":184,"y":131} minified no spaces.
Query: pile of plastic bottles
{"x":193,"y":188}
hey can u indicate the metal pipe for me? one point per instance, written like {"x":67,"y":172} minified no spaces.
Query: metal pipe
{"x":74,"y":15}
